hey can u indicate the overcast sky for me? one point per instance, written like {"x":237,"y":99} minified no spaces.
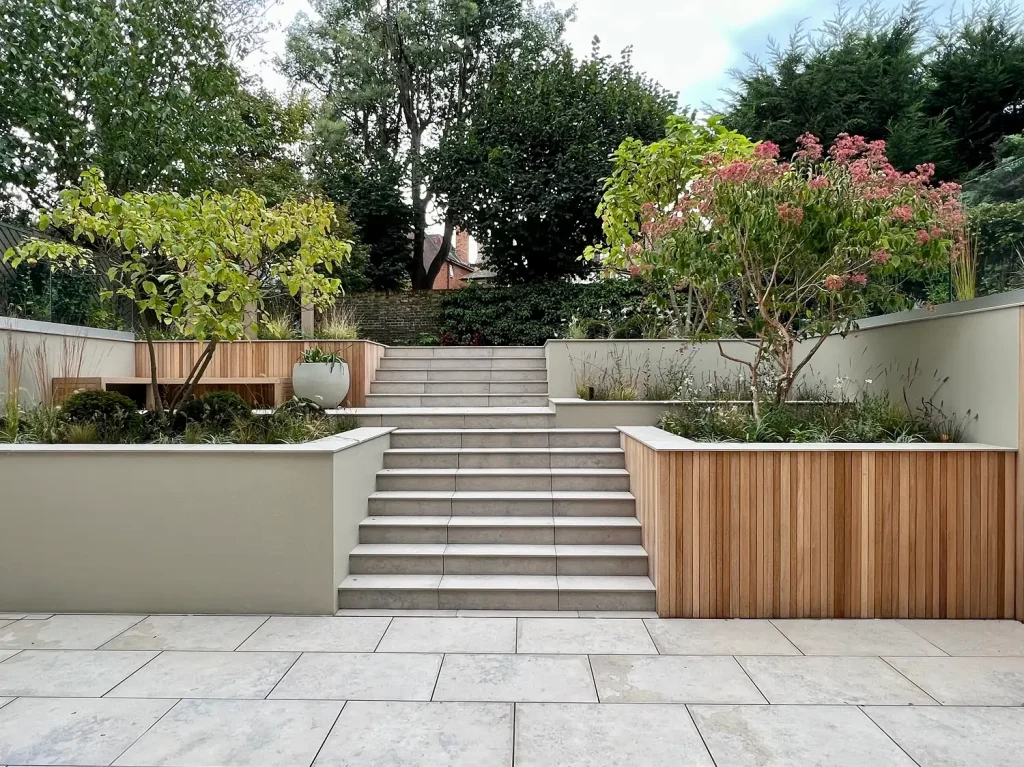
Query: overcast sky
{"x":687,"y":45}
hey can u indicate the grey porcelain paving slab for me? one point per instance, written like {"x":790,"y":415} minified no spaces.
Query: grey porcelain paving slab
{"x":68,"y":673}
{"x":719,"y":637}
{"x":516,"y":678}
{"x":5,"y":701}
{"x":318,"y":634}
{"x":824,"y":680}
{"x":450,"y":635}
{"x":672,"y":679}
{"x":972,"y":637}
{"x":580,"y":637}
{"x":954,"y":736}
{"x":187,"y":632}
{"x":617,"y":614}
{"x":400,"y":734}
{"x":65,"y":632}
{"x":855,"y":637}
{"x":5,"y":622}
{"x":4,"y":654}
{"x":593,"y":735}
{"x":236,"y":733}
{"x":73,"y":730}
{"x":518,"y":614}
{"x":795,"y":736}
{"x":207,"y":675}
{"x":360,"y":676}
{"x":965,"y":681}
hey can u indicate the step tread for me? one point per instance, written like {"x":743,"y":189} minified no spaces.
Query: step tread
{"x":500,"y":550}
{"x":400,"y":520}
{"x":605,"y":583}
{"x":504,"y":472}
{"x":599,"y":550}
{"x":502,"y":495}
{"x":399,"y":549}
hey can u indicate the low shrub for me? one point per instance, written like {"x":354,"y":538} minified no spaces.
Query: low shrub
{"x":115,"y":417}
{"x":532,"y":313}
{"x":217,"y":410}
{"x":870,"y":418}
{"x":339,"y":325}
{"x":278,"y":328}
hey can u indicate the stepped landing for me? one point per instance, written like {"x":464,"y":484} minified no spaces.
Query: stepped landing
{"x":481,"y":504}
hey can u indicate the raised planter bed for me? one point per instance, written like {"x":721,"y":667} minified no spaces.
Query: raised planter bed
{"x":827,"y":530}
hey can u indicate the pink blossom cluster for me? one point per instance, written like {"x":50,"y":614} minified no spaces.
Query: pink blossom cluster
{"x":790,"y":214}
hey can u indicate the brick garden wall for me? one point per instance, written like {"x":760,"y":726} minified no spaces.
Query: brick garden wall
{"x":390,"y":318}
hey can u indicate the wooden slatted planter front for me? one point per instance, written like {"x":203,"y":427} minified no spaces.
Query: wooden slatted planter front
{"x":808,"y":531}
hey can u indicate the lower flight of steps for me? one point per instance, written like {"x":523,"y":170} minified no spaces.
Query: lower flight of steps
{"x":501,"y":518}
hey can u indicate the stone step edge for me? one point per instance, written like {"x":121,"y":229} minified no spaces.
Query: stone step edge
{"x":501,"y":550}
{"x":447,"y":520}
{"x":596,"y":583}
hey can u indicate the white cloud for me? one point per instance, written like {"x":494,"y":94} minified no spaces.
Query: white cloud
{"x":687,"y":45}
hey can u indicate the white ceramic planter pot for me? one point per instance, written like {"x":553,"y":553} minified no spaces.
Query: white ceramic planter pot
{"x":323,"y":383}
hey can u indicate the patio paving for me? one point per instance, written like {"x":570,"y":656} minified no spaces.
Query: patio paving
{"x":397,"y":690}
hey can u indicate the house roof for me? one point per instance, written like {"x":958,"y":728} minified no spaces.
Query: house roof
{"x":432,"y":246}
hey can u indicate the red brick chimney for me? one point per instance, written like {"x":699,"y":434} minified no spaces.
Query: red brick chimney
{"x":462,"y":245}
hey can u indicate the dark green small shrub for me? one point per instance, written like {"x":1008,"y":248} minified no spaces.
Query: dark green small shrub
{"x":594,"y":329}
{"x":304,"y":408}
{"x":116,"y":418}
{"x":217,"y":410}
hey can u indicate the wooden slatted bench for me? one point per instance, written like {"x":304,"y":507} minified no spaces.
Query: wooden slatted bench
{"x":258,"y":392}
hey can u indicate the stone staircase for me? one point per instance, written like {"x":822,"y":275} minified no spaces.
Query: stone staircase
{"x":481,"y":504}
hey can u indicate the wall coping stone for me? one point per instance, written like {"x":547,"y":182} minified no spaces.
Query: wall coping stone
{"x":326,"y":446}
{"x":661,"y":440}
{"x":57,"y":329}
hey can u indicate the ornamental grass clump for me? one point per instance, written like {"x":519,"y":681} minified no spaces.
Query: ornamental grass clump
{"x":781,"y":252}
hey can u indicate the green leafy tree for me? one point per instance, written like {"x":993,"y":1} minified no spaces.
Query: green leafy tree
{"x":945,"y":98}
{"x":781,"y":253}
{"x":144,"y":90}
{"x":199,"y":265}
{"x":404,"y":74}
{"x":525,"y":176}
{"x":658,"y":173}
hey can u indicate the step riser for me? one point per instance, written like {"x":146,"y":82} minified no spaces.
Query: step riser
{"x":387,"y":599}
{"x":404,"y":534}
{"x":442,"y":376}
{"x":486,"y":352}
{"x":385,"y":564}
{"x":456,"y":400}
{"x":501,"y":508}
{"x":467,"y":363}
{"x":451,"y":599}
{"x":459,"y":387}
{"x":510,"y":483}
{"x":598,"y":536}
{"x":502,"y":461}
{"x":484,"y":439}
{"x":527,"y":535}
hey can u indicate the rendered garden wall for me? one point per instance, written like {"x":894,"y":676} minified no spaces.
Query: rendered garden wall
{"x":183,"y":528}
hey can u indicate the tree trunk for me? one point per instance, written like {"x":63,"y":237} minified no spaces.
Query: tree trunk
{"x":158,"y":401}
{"x":194,"y":376}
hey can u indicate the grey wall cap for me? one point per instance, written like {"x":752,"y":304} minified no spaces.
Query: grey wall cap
{"x":56,"y":329}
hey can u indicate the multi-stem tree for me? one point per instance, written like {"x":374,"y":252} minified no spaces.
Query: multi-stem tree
{"x":195,"y":266}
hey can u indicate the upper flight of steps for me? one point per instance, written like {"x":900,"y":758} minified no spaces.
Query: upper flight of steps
{"x":460,"y":376}
{"x":501,"y":519}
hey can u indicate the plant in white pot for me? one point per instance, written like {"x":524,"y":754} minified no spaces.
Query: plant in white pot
{"x":321,"y":377}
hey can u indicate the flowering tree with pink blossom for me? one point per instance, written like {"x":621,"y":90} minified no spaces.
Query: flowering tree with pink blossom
{"x":783,"y":254}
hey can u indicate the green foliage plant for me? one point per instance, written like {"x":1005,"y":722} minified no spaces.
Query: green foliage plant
{"x":115,"y":417}
{"x":199,"y":265}
{"x":217,"y":410}
{"x":316,"y":355}
{"x":338,"y":325}
{"x":658,"y":174}
{"x":280,"y":327}
{"x":781,"y":252}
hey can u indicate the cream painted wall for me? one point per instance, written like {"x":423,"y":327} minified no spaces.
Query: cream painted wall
{"x":103,"y":352}
{"x":182,"y":528}
{"x":977,"y":349}
{"x":355,"y":479}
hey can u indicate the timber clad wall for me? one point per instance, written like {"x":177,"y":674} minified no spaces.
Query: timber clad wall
{"x":261,"y":359}
{"x":888,"y":533}
{"x":389,"y":318}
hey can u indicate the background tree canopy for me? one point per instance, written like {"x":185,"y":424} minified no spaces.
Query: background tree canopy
{"x":944,"y":96}
{"x":525,"y":176}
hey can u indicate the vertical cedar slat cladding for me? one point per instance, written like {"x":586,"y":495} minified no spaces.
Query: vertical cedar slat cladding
{"x":261,"y":359}
{"x":886,"y":533}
